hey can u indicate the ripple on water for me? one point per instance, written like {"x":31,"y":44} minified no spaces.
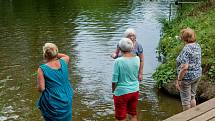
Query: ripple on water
{"x":6,"y":79}
{"x":14,"y":88}
{"x":8,"y":114}
{"x":95,"y":34}
{"x":8,"y":109}
{"x":12,"y":117}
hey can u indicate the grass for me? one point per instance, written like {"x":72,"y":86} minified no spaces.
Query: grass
{"x":200,"y":18}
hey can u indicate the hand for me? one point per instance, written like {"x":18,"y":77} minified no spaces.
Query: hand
{"x":140,"y":77}
{"x":76,"y":91}
{"x":178,"y":85}
{"x":113,"y":55}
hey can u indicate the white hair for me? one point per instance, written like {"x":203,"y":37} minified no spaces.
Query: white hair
{"x":125,"y":45}
{"x":129,"y":31}
{"x":50,"y":50}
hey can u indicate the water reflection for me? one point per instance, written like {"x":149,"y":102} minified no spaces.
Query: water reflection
{"x":88,"y":32}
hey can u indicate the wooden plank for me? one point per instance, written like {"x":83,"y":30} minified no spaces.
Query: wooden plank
{"x":193,"y":112}
{"x":206,"y":116}
{"x":213,"y":119}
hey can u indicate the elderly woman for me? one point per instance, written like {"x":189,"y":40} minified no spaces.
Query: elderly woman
{"x":188,"y":68}
{"x":55,"y":101}
{"x":137,"y":50}
{"x":125,"y":85}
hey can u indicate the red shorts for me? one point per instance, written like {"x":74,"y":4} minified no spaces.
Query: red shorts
{"x":125,"y":104}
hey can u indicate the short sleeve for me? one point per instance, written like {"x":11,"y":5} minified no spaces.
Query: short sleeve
{"x":185,"y":56}
{"x":140,"y":49}
{"x":115,"y":76}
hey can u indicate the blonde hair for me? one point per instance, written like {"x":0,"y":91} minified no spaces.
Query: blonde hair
{"x":125,"y":45}
{"x":188,"y":35}
{"x":129,"y":31}
{"x":50,"y":51}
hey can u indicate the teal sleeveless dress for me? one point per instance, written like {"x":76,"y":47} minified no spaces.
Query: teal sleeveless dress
{"x":55,"y":102}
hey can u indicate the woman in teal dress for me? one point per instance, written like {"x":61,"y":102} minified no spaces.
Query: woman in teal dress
{"x":55,"y":102}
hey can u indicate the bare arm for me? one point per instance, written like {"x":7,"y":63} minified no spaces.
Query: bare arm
{"x":113,"y":87}
{"x":115,"y":76}
{"x":40,"y":81}
{"x":64,"y":56}
{"x":140,"y":74}
{"x":116,"y":53}
{"x":181,"y":74}
{"x":183,"y":71}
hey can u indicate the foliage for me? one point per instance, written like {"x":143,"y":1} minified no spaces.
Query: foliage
{"x":202,"y":22}
{"x":164,"y":73}
{"x":211,"y":72}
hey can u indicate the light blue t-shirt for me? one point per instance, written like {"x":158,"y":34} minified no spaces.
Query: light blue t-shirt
{"x":137,"y":50}
{"x":125,"y":75}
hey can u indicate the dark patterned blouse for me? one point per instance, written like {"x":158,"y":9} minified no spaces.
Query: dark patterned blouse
{"x":190,"y":54}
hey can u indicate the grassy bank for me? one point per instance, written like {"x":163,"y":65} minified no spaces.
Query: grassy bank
{"x":199,"y":17}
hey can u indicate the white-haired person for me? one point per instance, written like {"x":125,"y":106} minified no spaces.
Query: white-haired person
{"x":125,"y":85}
{"x":137,"y":50}
{"x":188,"y":68}
{"x":55,"y":102}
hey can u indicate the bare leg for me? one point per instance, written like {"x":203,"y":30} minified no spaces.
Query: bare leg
{"x":132,"y":118}
{"x":121,"y":120}
{"x":186,"y":107}
{"x":193,"y":102}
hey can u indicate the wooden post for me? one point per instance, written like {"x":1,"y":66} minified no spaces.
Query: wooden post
{"x":170,"y":11}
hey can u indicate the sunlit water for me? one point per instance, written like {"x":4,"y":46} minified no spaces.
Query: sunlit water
{"x":88,"y":31}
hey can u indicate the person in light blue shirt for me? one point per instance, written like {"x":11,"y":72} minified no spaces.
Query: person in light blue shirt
{"x":125,"y":85}
{"x":136,"y":50}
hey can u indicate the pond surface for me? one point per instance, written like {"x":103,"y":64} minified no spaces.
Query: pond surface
{"x":88,"y":31}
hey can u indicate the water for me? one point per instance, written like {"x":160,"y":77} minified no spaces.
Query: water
{"x":88,"y":32}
